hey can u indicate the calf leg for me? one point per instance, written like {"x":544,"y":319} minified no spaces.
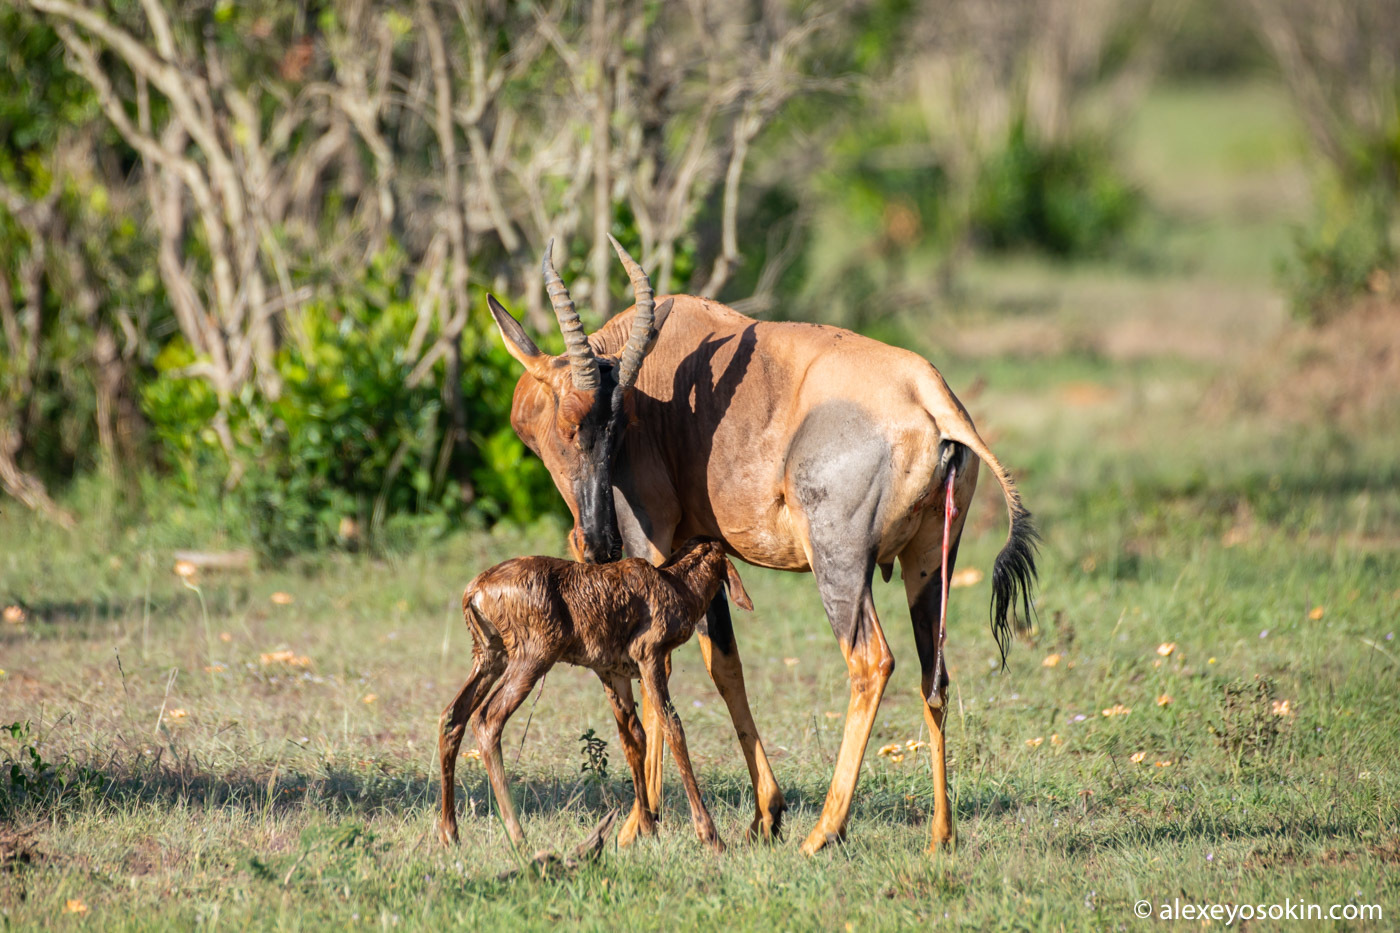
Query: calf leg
{"x":654,"y":676}
{"x":654,"y":754}
{"x":516,"y":684}
{"x":486,"y":670}
{"x":727,"y":671}
{"x":634,"y":740}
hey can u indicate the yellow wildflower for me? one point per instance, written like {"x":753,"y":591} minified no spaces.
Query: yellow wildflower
{"x":968,"y":577}
{"x":284,"y":656}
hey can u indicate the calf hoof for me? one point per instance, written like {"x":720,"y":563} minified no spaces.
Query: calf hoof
{"x":707,"y":834}
{"x":636,"y":825}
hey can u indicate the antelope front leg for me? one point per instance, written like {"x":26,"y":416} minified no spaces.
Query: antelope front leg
{"x":654,"y":677}
{"x":722,"y":660}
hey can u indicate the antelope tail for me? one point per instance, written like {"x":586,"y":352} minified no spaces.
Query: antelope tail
{"x":1013,"y":573}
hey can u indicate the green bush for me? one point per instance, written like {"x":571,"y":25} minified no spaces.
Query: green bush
{"x":348,"y":443}
{"x":1066,"y":199}
{"x":1338,"y":256}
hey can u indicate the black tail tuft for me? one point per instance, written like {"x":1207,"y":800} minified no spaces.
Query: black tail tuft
{"x":1013,"y":575}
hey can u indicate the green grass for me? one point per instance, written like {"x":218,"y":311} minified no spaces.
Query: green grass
{"x":283,"y":800}
{"x":287,"y":798}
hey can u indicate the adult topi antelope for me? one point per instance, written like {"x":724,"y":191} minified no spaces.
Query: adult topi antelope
{"x":802,"y":447}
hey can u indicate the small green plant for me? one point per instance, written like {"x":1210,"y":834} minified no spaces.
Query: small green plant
{"x":595,"y":755}
{"x":1249,"y":726}
{"x":32,"y":779}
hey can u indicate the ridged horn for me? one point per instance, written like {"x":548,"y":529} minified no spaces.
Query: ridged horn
{"x":581,"y":359}
{"x":642,"y":334}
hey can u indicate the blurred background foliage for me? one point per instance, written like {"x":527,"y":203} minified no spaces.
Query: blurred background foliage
{"x":244,"y":247}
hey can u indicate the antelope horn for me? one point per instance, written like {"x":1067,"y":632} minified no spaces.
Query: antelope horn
{"x":581,"y":359}
{"x":642,"y":335}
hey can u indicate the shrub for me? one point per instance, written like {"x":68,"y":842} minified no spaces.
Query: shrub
{"x":1341,"y":256}
{"x":349,"y":442}
{"x":1066,"y":199}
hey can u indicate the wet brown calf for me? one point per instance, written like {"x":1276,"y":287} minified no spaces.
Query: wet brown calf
{"x":620,"y":620}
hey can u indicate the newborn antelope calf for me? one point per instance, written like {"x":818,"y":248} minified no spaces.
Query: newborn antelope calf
{"x":619,"y":620}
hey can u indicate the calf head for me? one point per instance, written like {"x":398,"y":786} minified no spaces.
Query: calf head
{"x":707,"y":555}
{"x":572,"y":410}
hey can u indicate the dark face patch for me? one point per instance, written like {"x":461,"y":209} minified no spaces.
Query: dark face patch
{"x":595,"y":447}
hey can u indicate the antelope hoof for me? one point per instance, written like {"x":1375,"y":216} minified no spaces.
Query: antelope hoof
{"x":448,"y":835}
{"x":819,"y":840}
{"x":766,"y":827}
{"x":714,"y":842}
{"x":943,"y":841}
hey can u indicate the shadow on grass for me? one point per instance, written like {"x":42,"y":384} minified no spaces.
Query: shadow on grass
{"x":354,"y":792}
{"x":1266,"y":829}
{"x":87,"y":618}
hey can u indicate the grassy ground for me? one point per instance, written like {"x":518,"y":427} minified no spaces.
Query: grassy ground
{"x":261,"y":745}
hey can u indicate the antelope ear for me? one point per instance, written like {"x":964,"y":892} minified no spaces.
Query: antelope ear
{"x":736,"y":587}
{"x":518,"y":343}
{"x":662,"y":313}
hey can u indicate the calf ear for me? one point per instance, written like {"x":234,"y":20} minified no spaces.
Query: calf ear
{"x":518,"y":343}
{"x":736,"y":587}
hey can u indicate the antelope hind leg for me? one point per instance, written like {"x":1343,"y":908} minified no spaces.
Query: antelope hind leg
{"x":921,"y":564}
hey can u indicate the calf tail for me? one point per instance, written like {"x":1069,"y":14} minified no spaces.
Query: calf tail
{"x":482,"y":631}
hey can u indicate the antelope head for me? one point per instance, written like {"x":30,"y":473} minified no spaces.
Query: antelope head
{"x":572,"y":410}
